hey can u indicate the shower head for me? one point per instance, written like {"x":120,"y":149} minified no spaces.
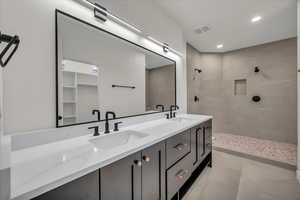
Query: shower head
{"x":198,"y":70}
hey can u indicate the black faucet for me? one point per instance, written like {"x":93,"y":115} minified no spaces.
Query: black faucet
{"x":107,"y":120}
{"x":173,"y":115}
{"x":161,"y":106}
{"x":96,"y":130}
{"x":98,"y":114}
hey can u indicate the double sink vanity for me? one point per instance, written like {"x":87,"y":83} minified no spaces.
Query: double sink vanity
{"x":150,"y":160}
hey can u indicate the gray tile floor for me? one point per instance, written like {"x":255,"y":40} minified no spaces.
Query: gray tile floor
{"x":236,"y":178}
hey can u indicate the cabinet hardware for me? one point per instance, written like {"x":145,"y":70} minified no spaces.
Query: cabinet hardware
{"x":181,"y":174}
{"x":180,"y":146}
{"x":96,"y":130}
{"x":138,"y":163}
{"x":146,"y":158}
{"x":198,"y":129}
{"x":116,"y":126}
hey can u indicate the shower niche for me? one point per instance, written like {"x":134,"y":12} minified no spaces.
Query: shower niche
{"x":240,"y":87}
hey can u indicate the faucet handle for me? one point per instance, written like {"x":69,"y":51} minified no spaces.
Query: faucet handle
{"x":116,"y":126}
{"x":96,"y":130}
{"x":174,"y":115}
{"x":168,"y":115}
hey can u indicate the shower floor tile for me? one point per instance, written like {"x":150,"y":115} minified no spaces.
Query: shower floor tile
{"x":277,"y":151}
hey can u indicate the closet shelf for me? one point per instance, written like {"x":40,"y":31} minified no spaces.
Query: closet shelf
{"x":87,"y":84}
{"x":69,"y":86}
{"x":70,"y":102}
{"x":69,"y":116}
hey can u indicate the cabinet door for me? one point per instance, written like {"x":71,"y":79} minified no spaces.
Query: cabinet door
{"x":86,"y":188}
{"x":153,"y":173}
{"x":122,"y":179}
{"x":208,"y":137}
{"x":197,"y":145}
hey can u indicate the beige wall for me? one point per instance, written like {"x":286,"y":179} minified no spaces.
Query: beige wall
{"x":160,"y":86}
{"x":275,"y":117}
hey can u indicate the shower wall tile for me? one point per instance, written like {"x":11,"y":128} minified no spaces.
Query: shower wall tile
{"x":275,"y":117}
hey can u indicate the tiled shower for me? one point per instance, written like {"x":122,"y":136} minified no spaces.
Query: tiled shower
{"x":251,"y":94}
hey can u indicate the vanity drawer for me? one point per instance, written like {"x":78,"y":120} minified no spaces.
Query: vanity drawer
{"x":177,"y":147}
{"x":178,"y":175}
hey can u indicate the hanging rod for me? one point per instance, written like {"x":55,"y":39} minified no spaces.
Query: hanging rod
{"x":123,"y":86}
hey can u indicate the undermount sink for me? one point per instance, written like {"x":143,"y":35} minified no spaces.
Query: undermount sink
{"x":181,"y":120}
{"x":117,"y":139}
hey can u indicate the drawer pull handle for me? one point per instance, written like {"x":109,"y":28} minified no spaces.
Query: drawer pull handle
{"x":146,"y":159}
{"x":138,"y":163}
{"x":181,"y":174}
{"x":198,"y":129}
{"x":180,"y":147}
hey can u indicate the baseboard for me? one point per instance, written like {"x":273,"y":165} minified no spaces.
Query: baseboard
{"x":298,"y":175}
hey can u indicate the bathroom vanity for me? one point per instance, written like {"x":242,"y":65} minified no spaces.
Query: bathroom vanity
{"x":148,"y":160}
{"x":152,"y":160}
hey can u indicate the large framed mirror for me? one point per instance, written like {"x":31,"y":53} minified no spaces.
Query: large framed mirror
{"x":98,"y":71}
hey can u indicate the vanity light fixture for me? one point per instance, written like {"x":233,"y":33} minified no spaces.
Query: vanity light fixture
{"x":103,"y":14}
{"x":165,"y":46}
{"x":119,"y":20}
{"x":100,"y":12}
{"x":256,"y":19}
{"x":155,"y":40}
{"x":89,"y":3}
{"x":220,"y":46}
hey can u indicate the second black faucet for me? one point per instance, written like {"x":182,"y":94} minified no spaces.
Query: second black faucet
{"x":107,"y":120}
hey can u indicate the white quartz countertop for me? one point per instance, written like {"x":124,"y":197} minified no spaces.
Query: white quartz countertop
{"x":39,"y":169}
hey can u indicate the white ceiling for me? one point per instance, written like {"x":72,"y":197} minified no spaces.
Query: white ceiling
{"x":230,"y":21}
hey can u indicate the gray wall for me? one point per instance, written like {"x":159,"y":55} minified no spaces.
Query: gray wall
{"x":275,"y":117}
{"x":160,"y":86}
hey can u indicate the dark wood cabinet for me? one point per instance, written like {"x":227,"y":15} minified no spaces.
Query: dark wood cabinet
{"x":84,"y":188}
{"x":122,"y":179}
{"x":153,"y":173}
{"x":198,"y":145}
{"x":140,"y":176}
{"x":208,"y":137}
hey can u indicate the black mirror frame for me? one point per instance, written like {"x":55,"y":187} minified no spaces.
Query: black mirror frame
{"x":57,"y":12}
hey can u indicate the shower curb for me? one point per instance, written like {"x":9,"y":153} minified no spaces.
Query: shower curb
{"x":260,"y":159}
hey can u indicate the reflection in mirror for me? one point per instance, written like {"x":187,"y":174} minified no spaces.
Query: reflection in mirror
{"x":100,"y":72}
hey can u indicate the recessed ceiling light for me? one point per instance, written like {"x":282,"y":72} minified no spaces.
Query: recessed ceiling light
{"x":256,"y":19}
{"x":220,"y":46}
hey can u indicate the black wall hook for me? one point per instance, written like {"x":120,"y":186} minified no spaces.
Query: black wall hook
{"x":11,"y":40}
{"x":256,"y":69}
